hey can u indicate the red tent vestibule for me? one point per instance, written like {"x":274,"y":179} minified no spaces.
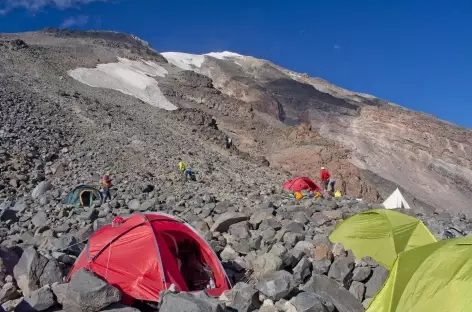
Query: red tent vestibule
{"x":146,"y":253}
{"x":301,"y":183}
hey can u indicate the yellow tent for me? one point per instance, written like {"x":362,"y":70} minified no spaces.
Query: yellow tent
{"x":381,"y":234}
{"x":433,"y":278}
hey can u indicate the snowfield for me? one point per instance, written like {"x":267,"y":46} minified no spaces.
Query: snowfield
{"x":129,"y":77}
{"x":194,"y":62}
{"x":185,"y":61}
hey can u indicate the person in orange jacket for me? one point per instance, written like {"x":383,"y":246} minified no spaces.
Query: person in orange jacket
{"x":106,"y":185}
{"x":325,"y":176}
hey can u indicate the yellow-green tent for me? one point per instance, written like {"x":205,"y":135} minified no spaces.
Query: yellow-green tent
{"x":381,"y":234}
{"x":432,"y":278}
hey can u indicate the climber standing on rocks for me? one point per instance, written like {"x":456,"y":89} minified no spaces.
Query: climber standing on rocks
{"x":229,"y":142}
{"x":186,"y":173}
{"x":212,"y":123}
{"x":106,"y":185}
{"x":325,"y":177}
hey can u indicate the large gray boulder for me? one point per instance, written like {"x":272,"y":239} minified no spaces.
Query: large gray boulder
{"x":321,"y":266}
{"x":330,"y":291}
{"x":308,"y":302}
{"x":358,"y":290}
{"x":87,"y":292}
{"x":41,"y":188}
{"x":188,"y":302}
{"x":243,"y":297}
{"x":302,"y":270}
{"x":134,"y":204}
{"x":276,"y":285}
{"x":378,"y":278}
{"x":265,"y":264}
{"x":60,"y":291}
{"x":224,"y":221}
{"x":8,"y":292}
{"x":9,"y":259}
{"x":118,"y":307}
{"x":39,"y":219}
{"x":361,"y":274}
{"x":40,"y":299}
{"x":67,"y":243}
{"x":341,"y":269}
{"x":33,"y":271}
{"x":259,"y":216}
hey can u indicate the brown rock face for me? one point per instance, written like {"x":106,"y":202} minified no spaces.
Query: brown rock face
{"x":371,"y":146}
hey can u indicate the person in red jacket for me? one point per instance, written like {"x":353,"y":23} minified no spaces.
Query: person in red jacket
{"x":324,"y":175}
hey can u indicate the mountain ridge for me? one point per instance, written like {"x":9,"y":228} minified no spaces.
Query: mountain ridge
{"x":297,"y":124}
{"x":346,"y":117}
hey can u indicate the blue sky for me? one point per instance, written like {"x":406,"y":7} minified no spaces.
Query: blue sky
{"x":415,"y":53}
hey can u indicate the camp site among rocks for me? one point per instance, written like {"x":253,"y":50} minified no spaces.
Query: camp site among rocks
{"x":233,"y":239}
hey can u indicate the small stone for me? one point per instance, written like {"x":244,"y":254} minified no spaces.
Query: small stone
{"x":41,"y":188}
{"x":358,"y":290}
{"x":378,"y":278}
{"x":321,"y":252}
{"x":308,"y":302}
{"x":366,"y":302}
{"x":301,"y":271}
{"x":338,"y":250}
{"x":243,"y":297}
{"x":224,"y":221}
{"x":188,"y":302}
{"x":276,"y":285}
{"x":60,"y":291}
{"x":321,"y":266}
{"x":361,"y":274}
{"x":228,"y":254}
{"x":41,"y":299}
{"x":340,"y":269}
{"x":134,"y":204}
{"x":265,"y":264}
{"x":330,"y":291}
{"x":8,"y":292}
{"x":88,"y":292}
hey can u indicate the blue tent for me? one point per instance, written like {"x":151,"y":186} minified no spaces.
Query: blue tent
{"x":84,"y":196}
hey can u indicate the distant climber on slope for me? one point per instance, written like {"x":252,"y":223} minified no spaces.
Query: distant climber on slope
{"x":106,"y":185}
{"x":212,"y":123}
{"x":325,"y":176}
{"x":228,"y":142}
{"x":186,"y":173}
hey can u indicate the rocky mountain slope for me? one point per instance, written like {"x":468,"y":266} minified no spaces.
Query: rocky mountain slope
{"x":427,"y":158}
{"x":60,"y":126}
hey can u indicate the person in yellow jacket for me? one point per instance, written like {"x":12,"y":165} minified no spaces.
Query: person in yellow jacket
{"x":181,"y":165}
{"x":186,"y":173}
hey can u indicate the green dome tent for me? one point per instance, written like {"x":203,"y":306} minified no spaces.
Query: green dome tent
{"x":381,"y":234}
{"x":83,"y":195}
{"x":433,"y":278}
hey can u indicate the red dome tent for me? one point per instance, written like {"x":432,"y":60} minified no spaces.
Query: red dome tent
{"x":301,"y":183}
{"x":146,"y":253}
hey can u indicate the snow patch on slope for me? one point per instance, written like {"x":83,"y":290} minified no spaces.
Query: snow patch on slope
{"x":185,"y":61}
{"x":193,"y":62}
{"x":129,"y":77}
{"x":224,"y":54}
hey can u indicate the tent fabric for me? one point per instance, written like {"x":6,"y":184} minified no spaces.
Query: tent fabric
{"x":434,"y":278}
{"x":381,"y":234}
{"x":396,"y":200}
{"x":301,"y":183}
{"x":83,"y":195}
{"x":156,"y":238}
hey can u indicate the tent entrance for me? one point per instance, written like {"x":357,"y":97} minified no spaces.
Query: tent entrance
{"x":87,"y":198}
{"x":83,"y":195}
{"x":186,"y":265}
